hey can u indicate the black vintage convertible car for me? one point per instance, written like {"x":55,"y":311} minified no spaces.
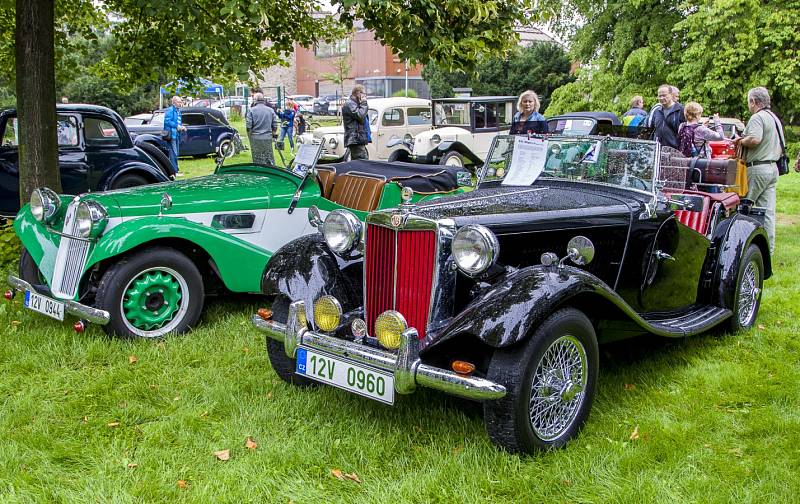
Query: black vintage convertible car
{"x":502,"y":294}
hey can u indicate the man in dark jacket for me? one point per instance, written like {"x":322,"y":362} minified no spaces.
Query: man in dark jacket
{"x":354,"y":115}
{"x":666,"y":118}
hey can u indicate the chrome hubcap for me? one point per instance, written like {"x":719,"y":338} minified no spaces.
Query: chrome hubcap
{"x":749,"y":292}
{"x":558,"y":388}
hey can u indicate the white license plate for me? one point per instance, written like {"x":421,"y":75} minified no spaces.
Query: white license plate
{"x":44,"y":305}
{"x":346,"y":375}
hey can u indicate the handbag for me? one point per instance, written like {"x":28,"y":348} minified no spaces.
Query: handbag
{"x":166,"y":135}
{"x":783,"y":161}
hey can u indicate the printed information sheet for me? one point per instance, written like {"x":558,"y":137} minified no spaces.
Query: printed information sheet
{"x":527,"y":161}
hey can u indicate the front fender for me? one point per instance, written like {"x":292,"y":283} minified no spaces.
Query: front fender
{"x":239,"y":263}
{"x":508,"y":311}
{"x":450,"y":145}
{"x":152,"y":139}
{"x":148,"y":171}
{"x":741,"y":232}
{"x":306,"y":269}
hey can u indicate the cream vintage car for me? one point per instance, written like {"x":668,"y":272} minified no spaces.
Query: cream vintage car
{"x":391,"y":121}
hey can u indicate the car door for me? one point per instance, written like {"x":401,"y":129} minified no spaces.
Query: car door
{"x":102,"y":147}
{"x":196,"y":140}
{"x":9,"y":166}
{"x":390,"y":127}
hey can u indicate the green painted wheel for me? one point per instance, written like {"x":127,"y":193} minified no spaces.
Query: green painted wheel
{"x":154,"y":300}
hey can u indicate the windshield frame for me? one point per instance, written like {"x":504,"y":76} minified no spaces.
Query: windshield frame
{"x":655,"y":183}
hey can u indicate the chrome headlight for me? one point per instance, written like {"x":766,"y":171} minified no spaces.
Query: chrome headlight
{"x":436,"y":139}
{"x":333,"y":142}
{"x":342,"y":231}
{"x":44,"y":204}
{"x":90,"y":219}
{"x":475,"y":248}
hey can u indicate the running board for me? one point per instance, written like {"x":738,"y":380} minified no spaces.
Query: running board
{"x":694,"y":322}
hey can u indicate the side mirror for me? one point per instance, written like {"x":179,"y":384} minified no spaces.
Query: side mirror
{"x":314,"y":217}
{"x":580,"y":250}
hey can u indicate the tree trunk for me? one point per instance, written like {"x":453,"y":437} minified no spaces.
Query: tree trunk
{"x":36,"y":97}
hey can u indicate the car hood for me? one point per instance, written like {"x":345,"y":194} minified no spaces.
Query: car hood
{"x":501,"y":206}
{"x":328,"y":130}
{"x":213,"y":193}
{"x":423,"y":144}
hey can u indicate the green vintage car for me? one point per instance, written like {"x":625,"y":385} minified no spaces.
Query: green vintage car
{"x":140,"y":261}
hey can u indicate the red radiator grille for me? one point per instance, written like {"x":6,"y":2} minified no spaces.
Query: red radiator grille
{"x":415,"y":269}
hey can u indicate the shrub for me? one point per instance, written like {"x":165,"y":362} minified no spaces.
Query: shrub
{"x":9,"y":246}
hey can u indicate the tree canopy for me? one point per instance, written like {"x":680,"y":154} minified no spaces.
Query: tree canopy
{"x":713,"y":50}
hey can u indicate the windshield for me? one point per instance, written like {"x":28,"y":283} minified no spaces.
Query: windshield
{"x":623,"y":162}
{"x":158,"y":119}
{"x":373,"y":117}
{"x":451,"y":114}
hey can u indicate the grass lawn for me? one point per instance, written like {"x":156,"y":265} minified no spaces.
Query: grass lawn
{"x":86,"y":418}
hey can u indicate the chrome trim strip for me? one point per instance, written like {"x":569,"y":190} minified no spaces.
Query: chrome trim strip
{"x":81,"y":311}
{"x":65,"y":235}
{"x":406,"y":366}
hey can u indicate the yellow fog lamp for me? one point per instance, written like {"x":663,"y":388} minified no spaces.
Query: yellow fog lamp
{"x":388,"y":328}
{"x":327,"y":313}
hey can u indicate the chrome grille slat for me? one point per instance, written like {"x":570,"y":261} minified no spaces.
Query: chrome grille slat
{"x":70,"y":259}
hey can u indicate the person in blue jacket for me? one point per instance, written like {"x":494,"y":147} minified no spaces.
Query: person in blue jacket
{"x":173,"y":124}
{"x":287,"y":123}
{"x":528,"y":119}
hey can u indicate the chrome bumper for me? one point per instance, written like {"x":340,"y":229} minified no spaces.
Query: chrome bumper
{"x":406,"y":366}
{"x":81,"y":311}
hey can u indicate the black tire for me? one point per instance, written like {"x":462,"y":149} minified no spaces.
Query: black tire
{"x":281,"y":363}
{"x":453,"y":158}
{"x":162,"y":160}
{"x":508,"y":420}
{"x":746,"y":301}
{"x":226,"y":148}
{"x":129,"y":180}
{"x":395,"y":155}
{"x":115,"y":283}
{"x":28,"y":270}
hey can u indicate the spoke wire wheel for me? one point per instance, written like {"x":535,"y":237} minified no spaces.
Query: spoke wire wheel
{"x":154,"y":302}
{"x":558,"y":386}
{"x":749,"y":293}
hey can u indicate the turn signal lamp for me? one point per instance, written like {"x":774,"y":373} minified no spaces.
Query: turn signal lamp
{"x":301,"y":317}
{"x":327,"y":313}
{"x":463,"y":367}
{"x":264,"y":313}
{"x":388,"y":328}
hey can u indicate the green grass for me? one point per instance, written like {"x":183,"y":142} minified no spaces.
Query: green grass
{"x":203,"y":166}
{"x":717,"y":416}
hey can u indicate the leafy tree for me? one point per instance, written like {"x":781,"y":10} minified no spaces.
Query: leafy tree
{"x":542,"y":67}
{"x":408,"y":94}
{"x":188,"y":39}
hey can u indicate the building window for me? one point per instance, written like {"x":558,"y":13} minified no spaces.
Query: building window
{"x":328,"y":50}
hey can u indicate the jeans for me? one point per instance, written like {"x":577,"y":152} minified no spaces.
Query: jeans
{"x":761,"y":181}
{"x":287,"y":130}
{"x":173,"y":154}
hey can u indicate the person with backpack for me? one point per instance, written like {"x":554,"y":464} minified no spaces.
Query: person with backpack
{"x":666,"y":118}
{"x":764,"y":143}
{"x":693,"y":136}
{"x":636,"y":115}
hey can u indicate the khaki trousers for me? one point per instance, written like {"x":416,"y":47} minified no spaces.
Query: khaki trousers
{"x":762,"y":179}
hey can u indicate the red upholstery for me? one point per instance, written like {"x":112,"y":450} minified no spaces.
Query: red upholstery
{"x":697,"y":218}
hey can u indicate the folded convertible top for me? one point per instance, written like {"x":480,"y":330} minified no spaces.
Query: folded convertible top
{"x":419,"y":177}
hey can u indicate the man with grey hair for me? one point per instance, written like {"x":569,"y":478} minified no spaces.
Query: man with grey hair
{"x":762,"y":143}
{"x":261,"y":124}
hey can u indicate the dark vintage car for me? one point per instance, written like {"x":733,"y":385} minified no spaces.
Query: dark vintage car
{"x":502,"y":294}
{"x":207,"y":132}
{"x":95,"y":153}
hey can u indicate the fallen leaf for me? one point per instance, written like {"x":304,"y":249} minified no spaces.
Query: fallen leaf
{"x":85,"y":419}
{"x":223,"y":455}
{"x":736,"y":451}
{"x":458,"y":449}
{"x":182,"y":484}
{"x":177,"y":398}
{"x":132,"y":359}
{"x":629,"y":386}
{"x":249,"y":443}
{"x":15,"y":322}
{"x":635,"y":434}
{"x":269,"y":395}
{"x":707,"y":445}
{"x":132,"y":465}
{"x":113,"y":424}
{"x":246,"y":349}
{"x":204,"y":414}
{"x":761,"y":326}
{"x":153,"y":385}
{"x":353,"y":477}
{"x":337,"y":473}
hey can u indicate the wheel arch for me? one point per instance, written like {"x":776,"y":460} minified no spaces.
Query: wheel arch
{"x":449,"y":146}
{"x":742,"y":232}
{"x":150,"y":173}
